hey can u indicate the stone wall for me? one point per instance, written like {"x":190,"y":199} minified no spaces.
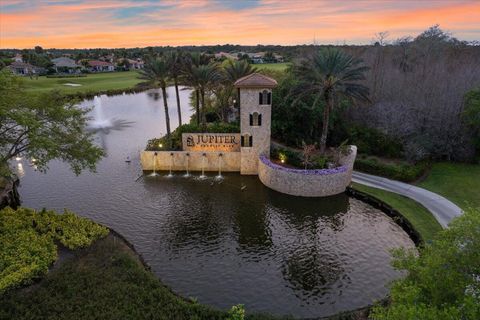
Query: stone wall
{"x":307,"y":183}
{"x":178,"y":160}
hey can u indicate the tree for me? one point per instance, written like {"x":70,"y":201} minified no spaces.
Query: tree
{"x":232,"y":71}
{"x":43,"y":127}
{"x":207,"y":76}
{"x":443,"y":280}
{"x":176,"y":63}
{"x":471,"y":115}
{"x":330,"y":75}
{"x":157,"y":72}
{"x":38,"y":50}
{"x":192,"y":77}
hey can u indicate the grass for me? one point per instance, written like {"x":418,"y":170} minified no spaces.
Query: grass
{"x":420,"y":218}
{"x":458,"y":182}
{"x":272,"y":66}
{"x":92,"y":82}
{"x":104,"y":281}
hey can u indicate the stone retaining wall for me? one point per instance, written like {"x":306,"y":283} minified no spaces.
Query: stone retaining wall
{"x":307,"y":183}
{"x":177,"y":160}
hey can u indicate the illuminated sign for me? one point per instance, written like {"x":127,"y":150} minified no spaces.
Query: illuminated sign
{"x":229,"y":142}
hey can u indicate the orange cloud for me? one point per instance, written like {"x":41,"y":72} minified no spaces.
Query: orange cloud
{"x":115,"y":23}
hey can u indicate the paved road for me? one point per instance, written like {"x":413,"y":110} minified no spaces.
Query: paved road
{"x":442,"y":209}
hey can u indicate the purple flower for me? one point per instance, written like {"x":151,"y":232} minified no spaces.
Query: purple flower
{"x":317,"y":172}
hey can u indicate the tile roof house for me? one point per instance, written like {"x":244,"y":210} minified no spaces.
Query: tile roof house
{"x":23,"y":68}
{"x":64,"y":64}
{"x":100,"y":66}
{"x":136,"y":64}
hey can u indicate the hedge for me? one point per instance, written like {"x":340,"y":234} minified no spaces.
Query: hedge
{"x":397,"y":171}
{"x":28,"y":240}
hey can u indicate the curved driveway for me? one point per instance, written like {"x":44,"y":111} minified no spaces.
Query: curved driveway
{"x":442,"y":209}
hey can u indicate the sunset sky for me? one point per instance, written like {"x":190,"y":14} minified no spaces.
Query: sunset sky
{"x":140,"y":23}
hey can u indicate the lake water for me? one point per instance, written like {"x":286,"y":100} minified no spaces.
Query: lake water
{"x":229,"y":243}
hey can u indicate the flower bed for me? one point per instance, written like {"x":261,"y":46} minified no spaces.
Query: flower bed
{"x":307,"y":183}
{"x":318,"y":172}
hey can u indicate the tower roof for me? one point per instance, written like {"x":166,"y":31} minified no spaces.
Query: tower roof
{"x":255,"y":80}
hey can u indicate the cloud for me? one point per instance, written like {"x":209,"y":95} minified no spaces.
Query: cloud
{"x":131,"y":23}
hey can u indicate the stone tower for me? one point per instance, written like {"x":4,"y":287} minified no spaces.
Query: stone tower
{"x":255,"y":95}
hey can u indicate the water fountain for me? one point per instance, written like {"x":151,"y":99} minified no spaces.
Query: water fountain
{"x":154,"y":173}
{"x":203,"y":176}
{"x":187,"y":159}
{"x":170,"y":174}
{"x":219,"y":176}
{"x":99,"y":122}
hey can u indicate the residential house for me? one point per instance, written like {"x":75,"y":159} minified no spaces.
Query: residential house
{"x":221,"y":55}
{"x":100,"y":66}
{"x":136,"y":64}
{"x":18,"y":58}
{"x":65,"y":65}
{"x":23,"y":68}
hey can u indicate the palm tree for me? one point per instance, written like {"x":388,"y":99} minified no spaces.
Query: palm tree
{"x":175,"y":60}
{"x":192,"y":77}
{"x":331,"y":74}
{"x":206,"y":76}
{"x":156,"y":71}
{"x":232,"y":71}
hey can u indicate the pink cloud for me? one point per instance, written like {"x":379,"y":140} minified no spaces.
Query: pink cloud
{"x":97,"y":23}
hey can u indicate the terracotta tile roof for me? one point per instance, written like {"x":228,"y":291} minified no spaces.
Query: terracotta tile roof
{"x":94,"y":63}
{"x":256,"y":80}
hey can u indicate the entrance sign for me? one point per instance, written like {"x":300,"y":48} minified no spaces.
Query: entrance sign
{"x":211,"y":142}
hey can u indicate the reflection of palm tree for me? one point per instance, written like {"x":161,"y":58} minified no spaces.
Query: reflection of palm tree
{"x":329,"y":74}
{"x":156,"y":72}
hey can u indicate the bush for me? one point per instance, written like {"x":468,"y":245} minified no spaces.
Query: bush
{"x":27,"y":239}
{"x":73,"y":75}
{"x":175,"y":142}
{"x":368,"y":140}
{"x":443,"y":281}
{"x":396,"y":171}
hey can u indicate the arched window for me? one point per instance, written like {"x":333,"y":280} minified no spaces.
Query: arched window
{"x":264,"y":97}
{"x":246,"y":140}
{"x":255,"y":119}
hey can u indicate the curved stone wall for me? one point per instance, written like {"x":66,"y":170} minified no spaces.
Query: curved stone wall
{"x":307,"y":183}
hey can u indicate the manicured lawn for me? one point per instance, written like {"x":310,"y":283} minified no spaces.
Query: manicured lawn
{"x":421,"y":219}
{"x":105,"y":281}
{"x":457,"y":182}
{"x":272,"y":66}
{"x":92,"y":82}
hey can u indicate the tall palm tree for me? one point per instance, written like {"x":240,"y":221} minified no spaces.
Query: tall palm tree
{"x":330,"y":75}
{"x":175,"y":60}
{"x":207,"y":76}
{"x":232,"y":71}
{"x":192,"y":77}
{"x":156,"y":71}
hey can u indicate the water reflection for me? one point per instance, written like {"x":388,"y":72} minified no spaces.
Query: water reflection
{"x":225,"y":243}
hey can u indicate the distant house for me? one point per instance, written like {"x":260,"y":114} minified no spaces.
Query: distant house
{"x":65,"y":65}
{"x":136,"y":64}
{"x":18,"y":58}
{"x":100,"y":66}
{"x":221,"y":55}
{"x":23,"y":68}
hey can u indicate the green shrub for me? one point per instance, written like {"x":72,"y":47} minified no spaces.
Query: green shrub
{"x":27,"y":239}
{"x":397,"y":171}
{"x":175,"y":142}
{"x":368,"y":140}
